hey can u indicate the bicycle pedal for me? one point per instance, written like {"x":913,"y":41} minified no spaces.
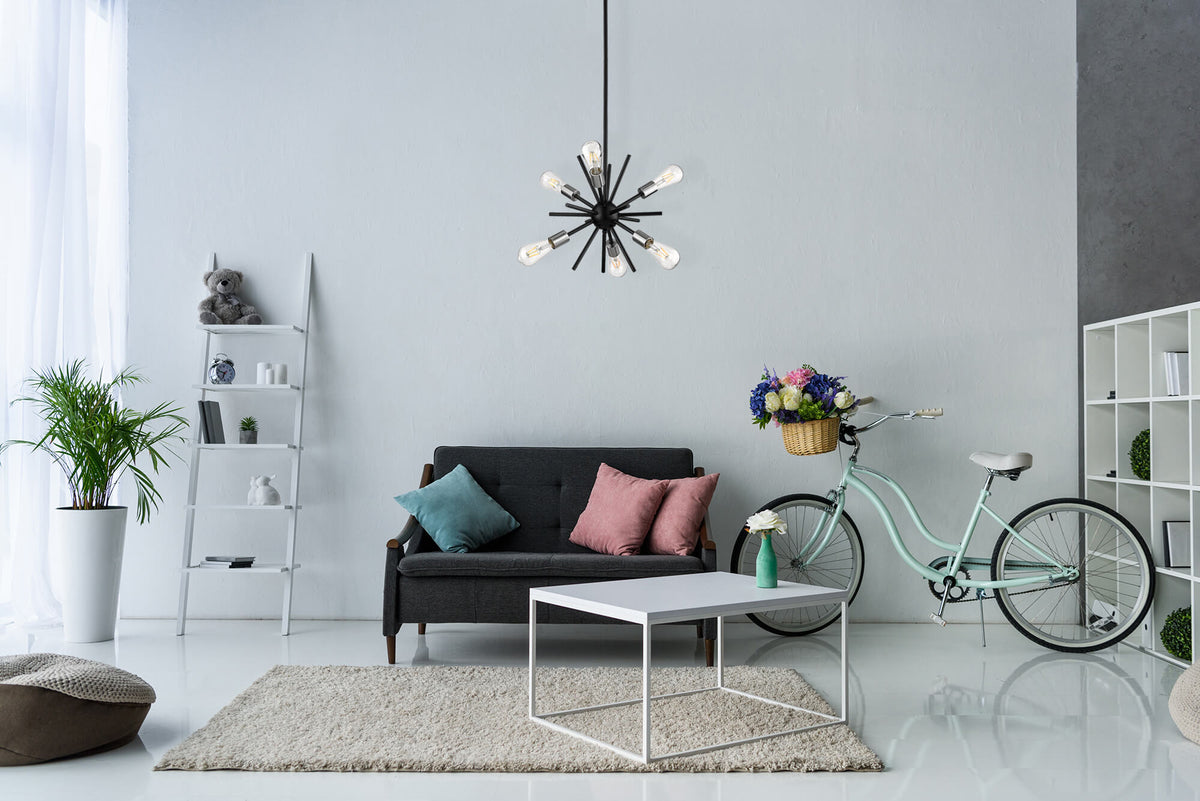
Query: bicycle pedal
{"x":936,"y":618}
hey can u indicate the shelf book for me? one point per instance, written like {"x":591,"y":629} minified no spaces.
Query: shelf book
{"x":227,"y":562}
{"x":209,"y":418}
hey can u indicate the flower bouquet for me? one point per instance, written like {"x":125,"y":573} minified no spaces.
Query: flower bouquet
{"x":807,"y":405}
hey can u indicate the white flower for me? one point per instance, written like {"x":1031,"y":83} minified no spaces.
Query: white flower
{"x":790,"y":397}
{"x":771,"y":399}
{"x":808,"y":397}
{"x":843,"y":399}
{"x":766,"y":520}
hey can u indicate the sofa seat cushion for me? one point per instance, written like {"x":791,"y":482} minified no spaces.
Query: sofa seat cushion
{"x":567,"y":565}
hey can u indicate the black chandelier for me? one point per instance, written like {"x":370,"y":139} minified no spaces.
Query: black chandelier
{"x":603,"y":212}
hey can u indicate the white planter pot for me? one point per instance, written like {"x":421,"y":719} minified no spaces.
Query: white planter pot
{"x":90,"y":543}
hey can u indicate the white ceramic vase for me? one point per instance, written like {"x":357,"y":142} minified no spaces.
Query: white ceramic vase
{"x":90,"y":543}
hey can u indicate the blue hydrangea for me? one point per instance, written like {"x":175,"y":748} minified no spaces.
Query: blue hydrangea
{"x":823,"y":388}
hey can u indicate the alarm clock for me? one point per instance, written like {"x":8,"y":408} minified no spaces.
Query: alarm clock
{"x":221,"y":370}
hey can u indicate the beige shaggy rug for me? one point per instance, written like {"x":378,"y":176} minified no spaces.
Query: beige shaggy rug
{"x":428,"y":719}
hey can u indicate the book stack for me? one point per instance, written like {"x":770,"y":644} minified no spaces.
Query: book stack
{"x":227,"y":562}
{"x":211,"y":430}
{"x":1176,"y":367}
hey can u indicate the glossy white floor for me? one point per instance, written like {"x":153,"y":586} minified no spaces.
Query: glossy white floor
{"x":949,"y":718}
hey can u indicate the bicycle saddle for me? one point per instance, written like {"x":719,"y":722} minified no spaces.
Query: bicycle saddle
{"x":1003,"y":462}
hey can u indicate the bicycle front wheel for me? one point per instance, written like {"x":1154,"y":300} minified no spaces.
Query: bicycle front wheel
{"x":839,"y":564}
{"x":1116,"y":575}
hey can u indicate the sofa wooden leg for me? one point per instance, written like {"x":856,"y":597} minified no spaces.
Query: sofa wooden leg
{"x":391,"y":646}
{"x":420,"y":628}
{"x":708,"y":651}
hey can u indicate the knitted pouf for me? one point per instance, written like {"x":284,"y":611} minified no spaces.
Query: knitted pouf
{"x":1184,"y":704}
{"x":53,"y":706}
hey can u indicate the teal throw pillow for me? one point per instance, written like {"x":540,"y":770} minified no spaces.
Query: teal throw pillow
{"x":457,"y":513}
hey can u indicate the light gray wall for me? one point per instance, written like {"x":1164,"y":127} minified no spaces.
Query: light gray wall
{"x":884,"y":189}
{"x":1139,"y":164}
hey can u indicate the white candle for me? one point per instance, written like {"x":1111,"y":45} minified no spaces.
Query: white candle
{"x":269,"y":376}
{"x":280,"y":373}
{"x":262,"y":372}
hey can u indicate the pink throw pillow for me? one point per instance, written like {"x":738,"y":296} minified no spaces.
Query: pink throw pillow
{"x":676,"y":528}
{"x":619,"y":512}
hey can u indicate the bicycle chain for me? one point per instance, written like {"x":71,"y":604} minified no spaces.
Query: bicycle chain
{"x":966,"y":599}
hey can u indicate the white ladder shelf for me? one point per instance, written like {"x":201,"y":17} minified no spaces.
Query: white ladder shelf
{"x":293,"y":449}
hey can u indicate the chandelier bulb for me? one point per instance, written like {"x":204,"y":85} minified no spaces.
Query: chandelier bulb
{"x":671,"y":175}
{"x":555,"y":184}
{"x":593,"y":159}
{"x":616,"y":265}
{"x":533,"y":252}
{"x":665,"y":255}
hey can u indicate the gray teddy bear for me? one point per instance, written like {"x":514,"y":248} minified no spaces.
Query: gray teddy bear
{"x":223,"y":306}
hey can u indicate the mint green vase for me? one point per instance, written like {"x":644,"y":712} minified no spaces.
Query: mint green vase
{"x":766,"y":570}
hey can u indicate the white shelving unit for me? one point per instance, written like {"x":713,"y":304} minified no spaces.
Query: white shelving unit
{"x":1125,"y":357}
{"x":293,"y":449}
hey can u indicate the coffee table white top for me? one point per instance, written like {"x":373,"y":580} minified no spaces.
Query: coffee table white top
{"x":669,"y":599}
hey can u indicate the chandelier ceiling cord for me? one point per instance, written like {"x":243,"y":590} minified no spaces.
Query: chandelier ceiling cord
{"x":605,"y":215}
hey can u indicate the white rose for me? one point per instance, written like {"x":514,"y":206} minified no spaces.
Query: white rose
{"x":791,"y":398}
{"x":766,"y":520}
{"x":771,"y":399}
{"x":843,"y":399}
{"x":808,"y":397}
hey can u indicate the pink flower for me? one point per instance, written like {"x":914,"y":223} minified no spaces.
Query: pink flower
{"x":799,"y":378}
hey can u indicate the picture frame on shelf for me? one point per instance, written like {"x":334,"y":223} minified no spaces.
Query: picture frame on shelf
{"x":1176,"y":536}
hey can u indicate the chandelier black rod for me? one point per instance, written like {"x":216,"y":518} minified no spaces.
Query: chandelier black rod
{"x":574,"y":231}
{"x":587,"y":210}
{"x":613,"y":192}
{"x":570,"y":214}
{"x":624,"y":216}
{"x":585,"y":248}
{"x":604,"y":142}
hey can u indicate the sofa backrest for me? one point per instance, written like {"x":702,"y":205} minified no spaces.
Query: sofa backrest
{"x":546,"y":489}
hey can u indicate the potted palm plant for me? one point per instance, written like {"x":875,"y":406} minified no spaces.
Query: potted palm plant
{"x":96,"y":442}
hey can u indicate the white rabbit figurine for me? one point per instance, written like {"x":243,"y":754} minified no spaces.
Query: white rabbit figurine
{"x":262,"y":493}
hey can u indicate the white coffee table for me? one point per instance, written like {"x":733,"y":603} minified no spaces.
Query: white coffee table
{"x":671,"y":599}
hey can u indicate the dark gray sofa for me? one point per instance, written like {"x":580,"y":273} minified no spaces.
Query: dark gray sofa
{"x":545,"y":489}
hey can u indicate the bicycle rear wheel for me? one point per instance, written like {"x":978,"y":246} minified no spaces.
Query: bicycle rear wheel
{"x":839,"y":565}
{"x":1116,"y":575}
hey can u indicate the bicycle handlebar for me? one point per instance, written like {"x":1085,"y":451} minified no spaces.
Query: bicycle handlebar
{"x":927,"y":414}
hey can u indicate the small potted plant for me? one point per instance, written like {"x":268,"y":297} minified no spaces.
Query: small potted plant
{"x":807,"y":405}
{"x":248,"y":431}
{"x":97,"y":442}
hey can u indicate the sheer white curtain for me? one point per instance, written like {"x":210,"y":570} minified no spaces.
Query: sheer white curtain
{"x":63,"y":245}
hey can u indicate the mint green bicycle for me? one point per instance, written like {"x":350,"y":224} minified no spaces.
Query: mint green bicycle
{"x":1068,"y":573}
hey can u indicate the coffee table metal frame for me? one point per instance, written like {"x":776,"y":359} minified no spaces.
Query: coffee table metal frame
{"x":650,"y":601}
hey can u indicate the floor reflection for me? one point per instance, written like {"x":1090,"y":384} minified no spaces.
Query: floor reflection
{"x":1080,"y":718}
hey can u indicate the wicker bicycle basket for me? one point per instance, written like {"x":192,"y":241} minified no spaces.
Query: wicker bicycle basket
{"x":811,"y":437}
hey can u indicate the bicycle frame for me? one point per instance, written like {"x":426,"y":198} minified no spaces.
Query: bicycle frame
{"x":1039,"y":572}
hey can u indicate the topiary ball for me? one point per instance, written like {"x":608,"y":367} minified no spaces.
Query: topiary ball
{"x":1139,"y":455}
{"x":1176,"y":634}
